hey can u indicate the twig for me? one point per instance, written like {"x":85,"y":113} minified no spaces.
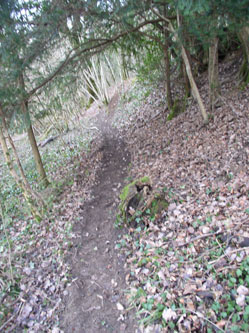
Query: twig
{"x":204,"y":254}
{"x":90,"y":128}
{"x":92,"y":308}
{"x":200,"y":237}
{"x":52,"y":138}
{"x":10,"y":319}
{"x":227,"y":254}
{"x":222,"y":247}
{"x":225,"y":267}
{"x":198,"y":314}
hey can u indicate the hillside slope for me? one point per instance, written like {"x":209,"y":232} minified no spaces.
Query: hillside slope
{"x":183,"y":270}
{"x":189,"y":265}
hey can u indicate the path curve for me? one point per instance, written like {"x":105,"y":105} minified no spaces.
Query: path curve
{"x":98,"y":268}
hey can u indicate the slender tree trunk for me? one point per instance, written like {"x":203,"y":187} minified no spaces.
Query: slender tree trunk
{"x":10,"y":162}
{"x":167,"y":64}
{"x":184,"y":72}
{"x":37,"y":156}
{"x":186,"y":81}
{"x":125,"y":73}
{"x":32,"y":140}
{"x":213,"y":73}
{"x":244,"y":37}
{"x":30,"y":196}
{"x":193,"y":85}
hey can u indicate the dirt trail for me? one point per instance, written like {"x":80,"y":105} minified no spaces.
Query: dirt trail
{"x":91,"y":304}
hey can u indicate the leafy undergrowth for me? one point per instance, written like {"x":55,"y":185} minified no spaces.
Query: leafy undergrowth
{"x":189,"y":273}
{"x":189,"y":266}
{"x":33,"y":273}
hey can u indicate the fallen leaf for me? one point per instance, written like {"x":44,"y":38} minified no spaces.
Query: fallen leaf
{"x":120,"y":307}
{"x":242,"y":290}
{"x":240,"y":300}
{"x":169,"y":314}
{"x":221,"y":323}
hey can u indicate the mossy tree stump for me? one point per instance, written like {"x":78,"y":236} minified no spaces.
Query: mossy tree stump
{"x":138,"y":197}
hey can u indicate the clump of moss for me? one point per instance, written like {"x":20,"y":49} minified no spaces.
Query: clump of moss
{"x":139,"y":197}
{"x":129,"y":191}
{"x":125,"y":192}
{"x":178,"y":107}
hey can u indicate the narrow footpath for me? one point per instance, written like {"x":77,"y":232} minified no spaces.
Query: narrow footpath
{"x":94,"y":298}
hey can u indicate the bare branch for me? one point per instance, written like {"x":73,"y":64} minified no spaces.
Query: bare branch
{"x":90,"y":50}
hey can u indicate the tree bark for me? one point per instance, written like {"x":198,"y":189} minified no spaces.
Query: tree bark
{"x":244,"y":38}
{"x":213,"y":73}
{"x":32,"y":140}
{"x":244,"y":35}
{"x":31,"y":197}
{"x":125,"y":73}
{"x":194,"y":87}
{"x":10,"y":162}
{"x":167,"y":64}
{"x":186,"y":81}
{"x":184,"y":72}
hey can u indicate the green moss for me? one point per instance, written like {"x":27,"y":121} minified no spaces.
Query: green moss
{"x":128,"y":191}
{"x":178,"y":107}
{"x":152,"y":205}
{"x":244,"y":73}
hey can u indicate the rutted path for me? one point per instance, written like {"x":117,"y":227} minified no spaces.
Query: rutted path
{"x":91,"y":305}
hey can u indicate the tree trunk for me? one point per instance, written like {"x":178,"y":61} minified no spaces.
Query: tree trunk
{"x":32,"y":140}
{"x":10,"y":162}
{"x":167,"y":64}
{"x":37,"y":156}
{"x":244,"y":37}
{"x":31,"y":197}
{"x":125,"y":73}
{"x":194,"y":87}
{"x":186,"y":81}
{"x":184,"y":72}
{"x":213,"y":73}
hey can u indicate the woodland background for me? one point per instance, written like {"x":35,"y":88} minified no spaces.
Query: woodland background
{"x":181,"y":59}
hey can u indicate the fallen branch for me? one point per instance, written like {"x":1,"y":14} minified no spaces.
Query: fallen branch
{"x":200,"y":315}
{"x":90,"y":128}
{"x":227,"y":254}
{"x":45,"y":142}
{"x":200,"y":237}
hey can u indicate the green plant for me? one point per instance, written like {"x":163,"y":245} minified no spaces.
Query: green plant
{"x":150,"y":68}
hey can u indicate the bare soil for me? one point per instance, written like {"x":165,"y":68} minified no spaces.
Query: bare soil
{"x":98,"y":269}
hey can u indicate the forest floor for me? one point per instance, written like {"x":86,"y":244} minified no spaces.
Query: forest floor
{"x":183,"y":270}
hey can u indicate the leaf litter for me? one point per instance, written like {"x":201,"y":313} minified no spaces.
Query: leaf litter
{"x":189,"y":266}
{"x":34,"y":302}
